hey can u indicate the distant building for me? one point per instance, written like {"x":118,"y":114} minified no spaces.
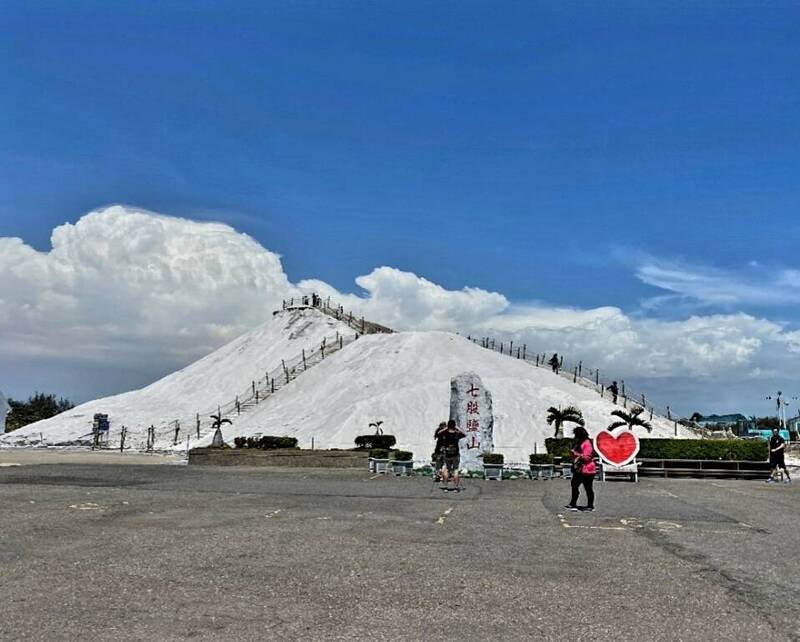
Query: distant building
{"x":712,"y":420}
{"x":736,"y":422}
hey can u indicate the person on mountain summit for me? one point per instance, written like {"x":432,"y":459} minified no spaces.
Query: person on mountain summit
{"x":554,"y":362}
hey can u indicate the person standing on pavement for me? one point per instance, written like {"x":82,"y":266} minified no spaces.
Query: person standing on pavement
{"x":452,"y":455}
{"x":777,"y":448}
{"x":583,"y":469}
{"x":438,"y":451}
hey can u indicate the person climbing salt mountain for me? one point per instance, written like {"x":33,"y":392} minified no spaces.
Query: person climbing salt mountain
{"x":554,"y":362}
{"x":614,"y":390}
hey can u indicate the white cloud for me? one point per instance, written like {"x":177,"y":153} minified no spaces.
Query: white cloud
{"x":144,"y":291}
{"x":406,"y":301}
{"x":127,"y":282}
{"x":755,"y":285}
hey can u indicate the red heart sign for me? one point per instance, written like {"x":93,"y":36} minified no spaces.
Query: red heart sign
{"x":616,"y":449}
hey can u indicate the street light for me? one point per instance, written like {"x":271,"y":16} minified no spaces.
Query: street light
{"x":780,"y":407}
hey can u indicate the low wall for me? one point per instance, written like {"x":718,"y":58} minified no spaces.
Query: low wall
{"x":288,"y":457}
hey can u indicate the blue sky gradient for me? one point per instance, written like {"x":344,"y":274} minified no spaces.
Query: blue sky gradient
{"x":550,"y":151}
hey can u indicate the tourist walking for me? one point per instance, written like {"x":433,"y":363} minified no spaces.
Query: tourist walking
{"x":583,"y":469}
{"x":452,"y":455}
{"x":554,"y":362}
{"x":438,"y":451}
{"x":614,"y":390}
{"x":777,"y":448}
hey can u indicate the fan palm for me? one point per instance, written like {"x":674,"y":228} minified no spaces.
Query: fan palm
{"x":377,"y":426}
{"x":630,"y":419}
{"x":557,"y":417}
{"x":219,"y":420}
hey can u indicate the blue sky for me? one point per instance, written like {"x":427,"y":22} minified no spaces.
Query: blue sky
{"x":640,"y":155}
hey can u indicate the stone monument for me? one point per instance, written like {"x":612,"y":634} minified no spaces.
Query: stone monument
{"x":471,"y":407}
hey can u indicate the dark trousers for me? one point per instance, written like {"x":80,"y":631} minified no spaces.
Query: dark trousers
{"x":587,"y":481}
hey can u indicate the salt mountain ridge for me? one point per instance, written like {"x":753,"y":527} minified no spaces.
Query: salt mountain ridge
{"x":307,"y":374}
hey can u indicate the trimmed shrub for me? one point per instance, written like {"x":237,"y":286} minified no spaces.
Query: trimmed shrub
{"x":558,"y":447}
{"x":541,"y":458}
{"x":730,"y":449}
{"x":368,"y":442}
{"x":496,"y":459}
{"x":268,"y":442}
{"x":379,"y":453}
{"x":403,"y":455}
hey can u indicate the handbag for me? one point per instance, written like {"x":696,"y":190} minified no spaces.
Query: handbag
{"x":577,"y":463}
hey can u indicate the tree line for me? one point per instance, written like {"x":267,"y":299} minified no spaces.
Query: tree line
{"x":38,"y":406}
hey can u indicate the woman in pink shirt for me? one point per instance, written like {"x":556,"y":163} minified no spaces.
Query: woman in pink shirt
{"x":583,"y":469}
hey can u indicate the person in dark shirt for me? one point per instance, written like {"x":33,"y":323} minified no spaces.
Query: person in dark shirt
{"x":452,"y":455}
{"x":438,"y":451}
{"x":554,"y":362}
{"x":777,"y":447}
{"x":614,"y":390}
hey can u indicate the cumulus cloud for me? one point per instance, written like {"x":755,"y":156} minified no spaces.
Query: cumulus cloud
{"x":123,"y":281}
{"x":134,"y":288}
{"x":406,"y":301}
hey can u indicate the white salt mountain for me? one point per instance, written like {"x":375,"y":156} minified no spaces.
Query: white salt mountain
{"x":401,"y":379}
{"x":213,"y":381}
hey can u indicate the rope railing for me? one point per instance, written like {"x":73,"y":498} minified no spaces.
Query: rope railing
{"x":176,"y":431}
{"x":582,"y":375}
{"x":336,"y":311}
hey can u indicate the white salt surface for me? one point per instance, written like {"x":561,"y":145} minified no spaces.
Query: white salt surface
{"x":199,"y":387}
{"x":401,"y":379}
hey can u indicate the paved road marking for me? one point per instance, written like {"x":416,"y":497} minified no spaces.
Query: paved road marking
{"x":5,"y":464}
{"x":444,"y":515}
{"x":565,"y":524}
{"x":87,"y":506}
{"x":273,"y":513}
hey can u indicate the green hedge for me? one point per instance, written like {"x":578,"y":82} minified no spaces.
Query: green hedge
{"x":558,"y":447}
{"x":493,"y":458}
{"x":368,"y":442}
{"x":730,"y":449}
{"x":403,"y":455}
{"x":541,"y":459}
{"x":379,"y":453}
{"x":267,"y":442}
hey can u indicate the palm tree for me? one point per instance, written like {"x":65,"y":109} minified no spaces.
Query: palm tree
{"x":630,"y":419}
{"x":557,"y":417}
{"x":377,"y":426}
{"x":217,"y":440}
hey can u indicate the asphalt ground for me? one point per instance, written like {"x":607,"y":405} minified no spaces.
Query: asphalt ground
{"x":132,"y":552}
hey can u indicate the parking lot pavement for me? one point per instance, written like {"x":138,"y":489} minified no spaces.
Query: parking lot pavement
{"x":132,"y":552}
